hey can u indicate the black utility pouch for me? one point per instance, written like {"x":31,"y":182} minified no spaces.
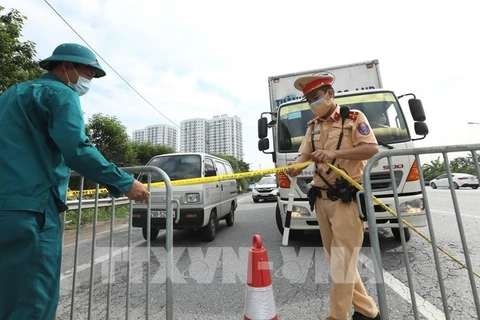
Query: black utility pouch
{"x":362,"y":207}
{"x":344,"y":190}
{"x":312,"y":196}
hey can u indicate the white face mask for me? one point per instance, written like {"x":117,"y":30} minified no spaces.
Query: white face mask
{"x":82,"y":86}
{"x":321,"y":106}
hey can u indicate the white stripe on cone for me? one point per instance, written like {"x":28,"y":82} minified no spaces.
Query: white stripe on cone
{"x":260,"y":303}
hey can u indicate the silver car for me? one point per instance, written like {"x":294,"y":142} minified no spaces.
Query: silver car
{"x":460,"y":180}
{"x":265,"y":189}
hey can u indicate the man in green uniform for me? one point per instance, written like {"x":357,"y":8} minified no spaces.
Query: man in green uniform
{"x":42,"y":138}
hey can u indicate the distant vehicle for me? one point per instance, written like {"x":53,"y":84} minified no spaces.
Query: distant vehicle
{"x":460,"y":180}
{"x":202,"y":206}
{"x":265,"y":189}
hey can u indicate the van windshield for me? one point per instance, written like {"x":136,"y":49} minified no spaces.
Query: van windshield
{"x":177,"y":167}
{"x":381,"y":109}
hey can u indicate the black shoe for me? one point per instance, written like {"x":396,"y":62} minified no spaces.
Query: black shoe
{"x":359,"y":316}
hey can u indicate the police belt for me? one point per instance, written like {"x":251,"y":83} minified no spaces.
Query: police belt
{"x":332,"y":194}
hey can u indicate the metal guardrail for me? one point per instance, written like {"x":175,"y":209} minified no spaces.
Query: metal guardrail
{"x":91,"y":203}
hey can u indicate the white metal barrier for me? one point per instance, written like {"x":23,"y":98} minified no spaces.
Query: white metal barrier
{"x":90,"y":265}
{"x":379,"y":276}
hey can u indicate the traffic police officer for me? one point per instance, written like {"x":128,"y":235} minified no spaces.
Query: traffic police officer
{"x":43,"y":136}
{"x":340,"y":226}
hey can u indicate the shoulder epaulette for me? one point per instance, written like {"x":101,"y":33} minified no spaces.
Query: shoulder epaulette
{"x":353,"y":115}
{"x":313,"y":120}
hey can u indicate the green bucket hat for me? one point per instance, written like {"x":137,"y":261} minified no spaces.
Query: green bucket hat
{"x":75,"y":53}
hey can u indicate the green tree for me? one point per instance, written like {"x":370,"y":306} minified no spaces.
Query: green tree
{"x":433,"y":169}
{"x":17,"y":62}
{"x":464,"y":165}
{"x":110,"y":137}
{"x":146,"y":151}
{"x":238,"y":166}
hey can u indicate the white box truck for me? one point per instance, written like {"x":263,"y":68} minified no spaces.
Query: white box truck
{"x":358,"y":86}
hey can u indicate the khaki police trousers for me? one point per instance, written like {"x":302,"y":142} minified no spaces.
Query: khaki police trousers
{"x":342,"y":232}
{"x":30,"y":259}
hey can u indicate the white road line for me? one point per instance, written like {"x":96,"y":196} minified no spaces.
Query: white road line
{"x":452,"y":213}
{"x":427,"y":309}
{"x":100,"y":259}
{"x":116,"y":229}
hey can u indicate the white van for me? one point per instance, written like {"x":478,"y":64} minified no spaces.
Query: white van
{"x":202,"y":206}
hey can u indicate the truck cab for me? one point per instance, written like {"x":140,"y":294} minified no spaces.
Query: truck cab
{"x":388,"y":122}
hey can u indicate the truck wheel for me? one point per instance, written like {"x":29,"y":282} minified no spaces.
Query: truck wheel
{"x":210,"y":230}
{"x":278,"y":219}
{"x":230,"y":218}
{"x":396,"y":234}
{"x":153,"y":233}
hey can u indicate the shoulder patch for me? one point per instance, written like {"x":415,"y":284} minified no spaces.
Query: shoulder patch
{"x":313,"y":120}
{"x":363,"y":128}
{"x":353,"y":115}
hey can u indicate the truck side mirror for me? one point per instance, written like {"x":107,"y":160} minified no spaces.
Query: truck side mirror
{"x":421,"y":129}
{"x":416,"y":109}
{"x":263,"y":144}
{"x":262,"y":128}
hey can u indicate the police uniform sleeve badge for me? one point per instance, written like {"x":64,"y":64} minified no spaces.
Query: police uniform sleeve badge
{"x":363,"y":128}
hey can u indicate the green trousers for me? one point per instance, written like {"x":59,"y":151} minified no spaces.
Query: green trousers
{"x":30,"y":260}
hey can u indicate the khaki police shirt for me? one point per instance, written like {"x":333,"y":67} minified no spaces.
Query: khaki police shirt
{"x":356,"y":131}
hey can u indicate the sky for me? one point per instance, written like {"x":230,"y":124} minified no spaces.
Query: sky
{"x":188,"y":58}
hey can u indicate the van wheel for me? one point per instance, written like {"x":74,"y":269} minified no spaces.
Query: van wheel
{"x":278,"y":219}
{"x":210,"y":230}
{"x":230,"y":218}
{"x":396,"y":234}
{"x":153,"y":233}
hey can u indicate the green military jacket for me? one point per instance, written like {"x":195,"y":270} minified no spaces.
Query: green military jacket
{"x":42,"y":137}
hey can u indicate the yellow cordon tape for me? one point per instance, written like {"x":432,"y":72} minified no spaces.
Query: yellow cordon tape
{"x":381,"y":204}
{"x":249,"y":174}
{"x":192,"y":181}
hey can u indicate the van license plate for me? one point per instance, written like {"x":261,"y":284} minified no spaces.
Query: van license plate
{"x":160,"y":213}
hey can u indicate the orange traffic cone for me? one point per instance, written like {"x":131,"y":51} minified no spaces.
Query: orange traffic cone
{"x":259,"y":299}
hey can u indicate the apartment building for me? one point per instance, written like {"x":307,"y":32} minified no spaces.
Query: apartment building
{"x":157,"y":134}
{"x":220,"y":135}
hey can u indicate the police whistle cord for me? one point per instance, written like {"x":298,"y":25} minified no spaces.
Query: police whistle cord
{"x":385,"y":207}
{"x":192,"y":181}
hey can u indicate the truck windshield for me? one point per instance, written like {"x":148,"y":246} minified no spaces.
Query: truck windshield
{"x":381,"y":109}
{"x":177,"y":167}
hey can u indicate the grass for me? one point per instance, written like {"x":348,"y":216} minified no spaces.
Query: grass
{"x":103,"y":214}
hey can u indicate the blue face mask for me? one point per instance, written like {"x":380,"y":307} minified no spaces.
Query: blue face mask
{"x":320,"y":107}
{"x":82,"y":86}
{"x":318,"y":102}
